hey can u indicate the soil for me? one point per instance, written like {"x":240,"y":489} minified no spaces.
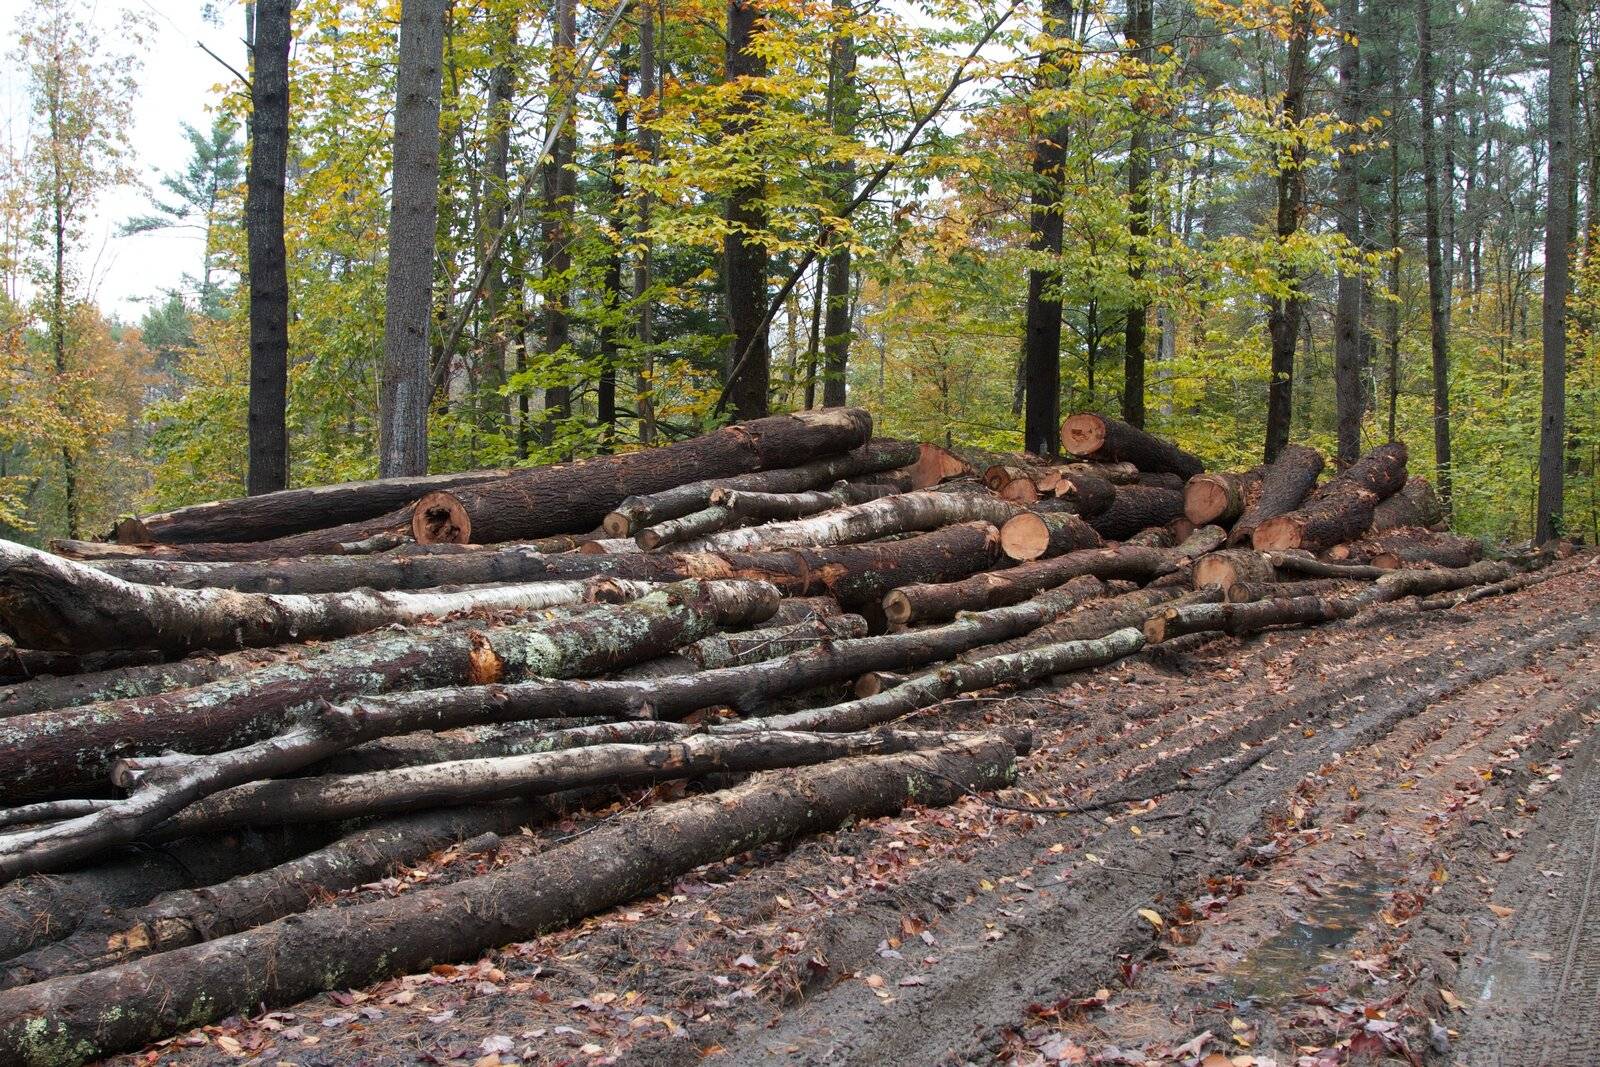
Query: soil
{"x":1375,"y":841}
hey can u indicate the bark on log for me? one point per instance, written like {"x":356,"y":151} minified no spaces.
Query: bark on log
{"x":688,"y":527}
{"x":1407,"y":546}
{"x":907,"y":513}
{"x":1244,"y":592}
{"x":1305,"y":563}
{"x":1285,"y":484}
{"x":1342,"y":509}
{"x":49,"y":602}
{"x":929,"y":602}
{"x":289,"y":511}
{"x":180,"y":917}
{"x":1092,"y":493}
{"x":1162,"y":480}
{"x":797,"y":609}
{"x":749,"y":646}
{"x":1154,"y":537}
{"x":878,"y":457}
{"x":1220,"y":498}
{"x":1095,"y":436}
{"x":1137,"y":507}
{"x":1097,"y":618}
{"x":73,"y":690}
{"x":1032,"y":535}
{"x":76,"y":1018}
{"x":577,"y":496}
{"x":751,"y":506}
{"x":1416,"y":504}
{"x":1232,"y":567}
{"x":74,"y":748}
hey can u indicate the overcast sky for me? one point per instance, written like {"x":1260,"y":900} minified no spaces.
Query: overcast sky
{"x":177,"y":83}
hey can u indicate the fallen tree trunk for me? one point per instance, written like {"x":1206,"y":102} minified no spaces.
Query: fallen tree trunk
{"x":794,"y":609}
{"x":1095,"y":436}
{"x":288,"y":511}
{"x":389,"y":534}
{"x":180,"y":917}
{"x":74,"y":748}
{"x":1232,"y":567}
{"x":72,"y":690}
{"x":749,"y":646}
{"x":1416,"y":504}
{"x":1136,"y":508}
{"x":1220,"y":498}
{"x":752,"y":507}
{"x":926,"y":602}
{"x":77,"y":1018}
{"x":48,"y":602}
{"x":1542,"y":573}
{"x":1342,"y":509}
{"x":1033,"y":535}
{"x":688,"y":527}
{"x":1091,"y":493}
{"x":1401,"y":547}
{"x":577,"y":496}
{"x":876,"y":457}
{"x":1285,"y":484}
{"x":1305,"y":563}
{"x":1244,"y":592}
{"x":906,"y":513}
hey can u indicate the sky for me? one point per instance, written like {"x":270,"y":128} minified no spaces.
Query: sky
{"x":176,"y":84}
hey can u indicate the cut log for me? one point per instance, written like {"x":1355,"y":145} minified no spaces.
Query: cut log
{"x":576,"y":496}
{"x":1095,"y":436}
{"x":1220,"y":498}
{"x":1408,"y":546}
{"x":287,"y":961}
{"x":752,"y":507}
{"x":1154,"y":537}
{"x":1181,"y":529}
{"x":1244,"y":592}
{"x":1097,"y":618}
{"x":927,"y":602}
{"x":1232,"y":567}
{"x":1416,"y":504}
{"x":1036,"y":536}
{"x":180,"y":917}
{"x":688,"y":527}
{"x":289,"y":511}
{"x":1305,"y":563}
{"x":1116,"y":473}
{"x":1285,"y":484}
{"x":1342,"y":509}
{"x":1162,"y":480}
{"x":749,"y":646}
{"x":796,"y":609}
{"x":1137,"y":507}
{"x":75,"y":748}
{"x":50,"y":602}
{"x":1092,"y":493}
{"x":907,"y":513}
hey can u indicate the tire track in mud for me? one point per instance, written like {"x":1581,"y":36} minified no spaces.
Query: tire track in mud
{"x":1062,"y":942}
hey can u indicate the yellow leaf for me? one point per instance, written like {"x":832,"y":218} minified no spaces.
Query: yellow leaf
{"x":1150,"y":916}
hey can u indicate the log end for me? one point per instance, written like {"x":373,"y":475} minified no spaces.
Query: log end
{"x":1083,"y":434}
{"x":1387,"y":561}
{"x":1019,"y":491}
{"x":1025,"y":537}
{"x":935,"y":465}
{"x":897,"y":608}
{"x":1155,"y":628}
{"x":617,"y":524}
{"x":1205,"y":499}
{"x":1278,"y":534}
{"x":648,"y":539}
{"x":439,"y":519}
{"x":130,"y":531}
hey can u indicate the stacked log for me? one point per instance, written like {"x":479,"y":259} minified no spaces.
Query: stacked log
{"x":1342,"y":509}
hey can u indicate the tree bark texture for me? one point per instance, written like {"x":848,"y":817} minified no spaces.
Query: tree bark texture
{"x":1232,"y":567}
{"x":1342,"y":509}
{"x":1284,"y":313}
{"x":267,"y":260}
{"x":1285,"y":484}
{"x":744,"y":256}
{"x":1220,"y":498}
{"x":1438,"y":301}
{"x":1137,"y":508}
{"x":1033,"y":535}
{"x":286,"y":961}
{"x":1557,"y":270}
{"x":1097,"y":437}
{"x":907,"y":513}
{"x":1416,"y":504}
{"x":1349,"y":394}
{"x":577,"y":496}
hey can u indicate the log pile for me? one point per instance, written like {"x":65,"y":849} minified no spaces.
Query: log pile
{"x":298,"y":693}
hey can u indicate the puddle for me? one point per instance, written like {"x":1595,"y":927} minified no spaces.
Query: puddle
{"x":1280,"y":968}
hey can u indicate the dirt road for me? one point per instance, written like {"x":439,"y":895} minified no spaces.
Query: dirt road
{"x":1379,"y":839}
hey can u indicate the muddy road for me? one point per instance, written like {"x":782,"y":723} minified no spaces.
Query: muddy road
{"x":1367,"y":842}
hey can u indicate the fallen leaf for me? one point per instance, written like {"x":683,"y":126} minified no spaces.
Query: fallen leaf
{"x":1501,"y":910}
{"x":1151,"y":916}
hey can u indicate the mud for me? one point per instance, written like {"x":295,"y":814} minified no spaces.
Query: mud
{"x":1377,"y":841}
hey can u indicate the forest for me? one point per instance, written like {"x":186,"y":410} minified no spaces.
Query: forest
{"x":444,"y":236}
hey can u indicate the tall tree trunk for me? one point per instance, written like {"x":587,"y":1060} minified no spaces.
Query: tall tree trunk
{"x":413,"y":220}
{"x":1348,"y":394}
{"x":1438,"y":307}
{"x":267,"y":261}
{"x":649,"y":143}
{"x":1392,"y":322}
{"x":1140,"y":29}
{"x":1042,"y":334}
{"x":1285,"y":314}
{"x":836,"y":345}
{"x":497,"y":178}
{"x":1557,"y":264}
{"x":744,"y":257}
{"x":560,"y":202}
{"x":611,"y":324}
{"x":59,"y":121}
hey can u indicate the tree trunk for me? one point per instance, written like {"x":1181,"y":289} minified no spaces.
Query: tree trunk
{"x":1142,"y":32}
{"x":907,"y":513}
{"x":846,"y":106}
{"x":284,"y":962}
{"x":744,"y":257}
{"x":560,"y":190}
{"x":1137,"y":508}
{"x":1341,"y":510}
{"x":1415,"y":504}
{"x":1438,"y":306}
{"x":1032,"y":535}
{"x":1349,"y":394}
{"x":874,"y":457}
{"x":1557,"y":272}
{"x":1285,"y":313}
{"x":500,"y":317}
{"x":643,"y":264}
{"x":267,"y":261}
{"x":611,"y":329}
{"x":929,"y":602}
{"x":60,"y":749}
{"x":578,"y":496}
{"x":1232,"y":567}
{"x":413,"y":216}
{"x":1041,"y":344}
{"x":1220,"y":498}
{"x":1095,"y":436}
{"x":1284,"y":487}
